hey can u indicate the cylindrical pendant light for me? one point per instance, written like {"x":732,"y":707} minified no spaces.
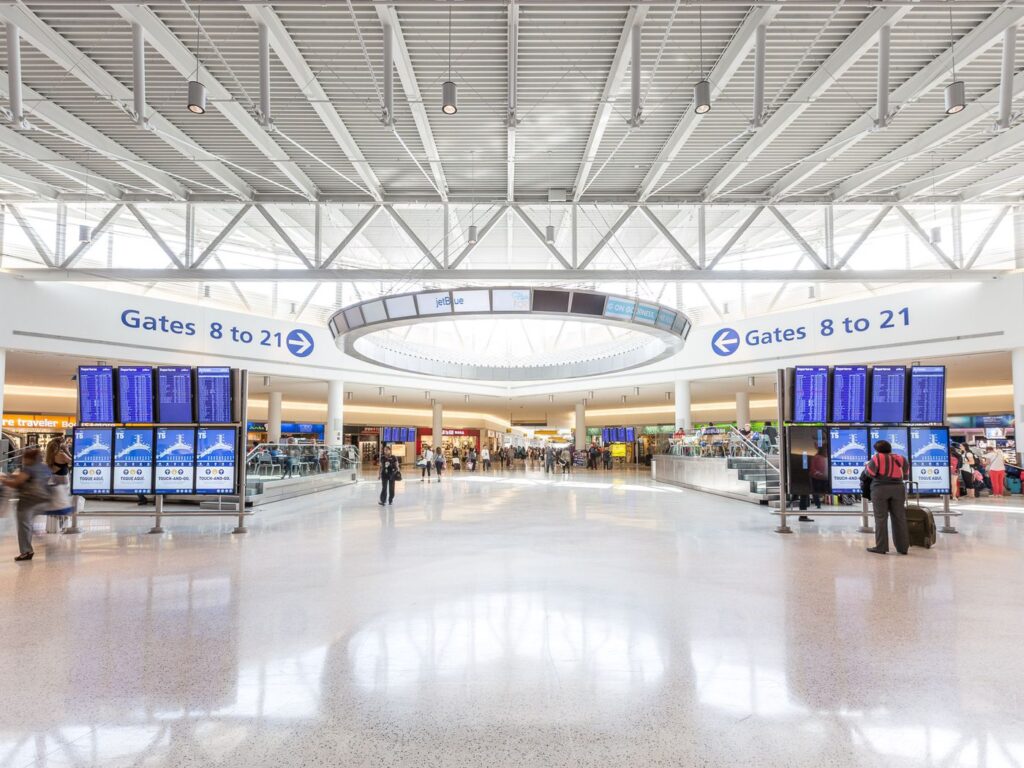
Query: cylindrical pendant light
{"x":83,"y":233}
{"x":472,"y":234}
{"x":196,"y":97}
{"x":955,"y":97}
{"x":449,"y":103}
{"x":702,"y":97}
{"x":549,"y":234}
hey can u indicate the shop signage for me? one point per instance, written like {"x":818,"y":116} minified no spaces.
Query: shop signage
{"x":27,"y":421}
{"x":454,"y":432}
{"x":618,"y":450}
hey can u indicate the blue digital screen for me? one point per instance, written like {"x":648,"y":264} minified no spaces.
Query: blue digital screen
{"x":604,"y":436}
{"x":897,"y":437}
{"x":133,"y":460}
{"x":135,"y":394}
{"x":215,"y":460}
{"x":850,"y":394}
{"x":294,"y":428}
{"x":213,"y":392}
{"x":810,"y":394}
{"x":630,"y":434}
{"x":646,"y":314}
{"x":929,"y":459}
{"x":385,"y":435}
{"x":848,"y":453}
{"x":175,"y":460}
{"x":93,"y":458}
{"x":888,"y":393}
{"x":96,"y":394}
{"x":619,"y":308}
{"x":174,"y":395}
{"x":666,"y":318}
{"x":927,"y":393}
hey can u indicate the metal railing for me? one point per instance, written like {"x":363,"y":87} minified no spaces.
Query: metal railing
{"x":279,"y":461}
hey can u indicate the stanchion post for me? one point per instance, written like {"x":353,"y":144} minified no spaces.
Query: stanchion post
{"x":157,"y":527}
{"x":73,"y":528}
{"x":865,"y":526}
{"x":780,"y":393}
{"x":948,"y":527}
{"x":241,"y":453}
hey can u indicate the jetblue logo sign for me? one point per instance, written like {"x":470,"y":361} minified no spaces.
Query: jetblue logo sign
{"x":725,"y":342}
{"x":445,"y":301}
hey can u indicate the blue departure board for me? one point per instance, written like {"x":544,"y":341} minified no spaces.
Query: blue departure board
{"x":96,"y":394}
{"x":213,"y":395}
{"x":135,"y":394}
{"x":849,"y":394}
{"x":810,"y":394}
{"x":888,"y":393}
{"x":927,"y":394}
{"x":174,"y":395}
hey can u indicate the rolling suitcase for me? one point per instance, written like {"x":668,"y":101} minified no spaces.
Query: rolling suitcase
{"x":1013,"y":484}
{"x":920,"y":522}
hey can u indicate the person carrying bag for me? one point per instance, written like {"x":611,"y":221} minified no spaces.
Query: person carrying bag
{"x":888,"y":472}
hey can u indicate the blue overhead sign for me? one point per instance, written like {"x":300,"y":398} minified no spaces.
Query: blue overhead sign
{"x":725,"y":342}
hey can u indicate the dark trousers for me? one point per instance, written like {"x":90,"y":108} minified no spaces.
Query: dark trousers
{"x":426,"y":470}
{"x":387,"y":490}
{"x":437,"y":468}
{"x":890,"y":500}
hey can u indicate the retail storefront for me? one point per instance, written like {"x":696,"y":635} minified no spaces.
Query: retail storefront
{"x":290,"y":430}
{"x":25,"y":429}
{"x":463,"y":439}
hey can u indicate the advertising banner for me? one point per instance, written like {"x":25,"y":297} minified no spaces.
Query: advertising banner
{"x":175,"y":460}
{"x":848,"y":453}
{"x":93,"y":461}
{"x":133,"y":460}
{"x":929,"y":459}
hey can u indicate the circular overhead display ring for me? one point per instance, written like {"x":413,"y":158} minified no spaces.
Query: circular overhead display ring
{"x":654,"y":331}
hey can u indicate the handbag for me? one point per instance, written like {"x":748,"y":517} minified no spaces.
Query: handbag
{"x":398,"y":475}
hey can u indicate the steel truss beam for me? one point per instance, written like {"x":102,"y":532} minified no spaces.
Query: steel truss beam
{"x":515,"y":276}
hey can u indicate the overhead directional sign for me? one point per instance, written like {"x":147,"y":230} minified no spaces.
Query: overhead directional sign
{"x":725,"y":342}
{"x":300,"y":343}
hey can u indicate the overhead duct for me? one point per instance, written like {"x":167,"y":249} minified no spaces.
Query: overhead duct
{"x":635,"y":118}
{"x":760,"y":41}
{"x":1006,"y":80}
{"x":388,"y":118}
{"x":14,"y":76}
{"x":882,"y":100}
{"x":139,"y":75}
{"x":265,"y":119}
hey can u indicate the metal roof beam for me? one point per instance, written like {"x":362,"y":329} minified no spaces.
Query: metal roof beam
{"x":921,"y":235}
{"x":735,"y":53}
{"x":29,"y":150}
{"x":353,"y":233}
{"x":24,"y":181}
{"x":540,"y":236}
{"x":403,"y":63}
{"x":512,"y":119}
{"x":52,"y":45}
{"x":665,"y":233}
{"x":854,"y":45}
{"x":413,"y":237}
{"x":94,"y":235}
{"x":928,"y":78}
{"x":179,"y":56}
{"x":30,"y":232}
{"x":798,"y":238}
{"x":997,"y":181}
{"x":615,"y":227}
{"x":305,"y":78}
{"x":480,"y":236}
{"x":606,"y":107}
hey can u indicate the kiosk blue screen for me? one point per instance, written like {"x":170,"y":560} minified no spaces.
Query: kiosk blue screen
{"x":96,"y":394}
{"x":174,"y":395}
{"x":850,"y":394}
{"x":929,"y":459}
{"x":175,"y":460}
{"x":213,"y":393}
{"x":927,"y":394}
{"x":133,"y":460}
{"x":215,"y":460}
{"x":897,"y":437}
{"x":135,"y":394}
{"x":848,"y":453}
{"x":810,"y":394}
{"x":888,"y":393}
{"x":93,"y":457}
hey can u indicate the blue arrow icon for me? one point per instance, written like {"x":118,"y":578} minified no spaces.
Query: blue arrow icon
{"x":299,"y":343}
{"x":725,"y":342}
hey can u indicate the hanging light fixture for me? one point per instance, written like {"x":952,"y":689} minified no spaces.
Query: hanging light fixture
{"x":549,"y":234}
{"x":936,"y":236}
{"x":196,"y":90}
{"x":702,"y":90}
{"x":955,"y":92}
{"x":449,"y":97}
{"x":83,"y":233}
{"x":471,"y":237}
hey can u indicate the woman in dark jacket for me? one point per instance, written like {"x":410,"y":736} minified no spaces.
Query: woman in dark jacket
{"x":390,"y":471}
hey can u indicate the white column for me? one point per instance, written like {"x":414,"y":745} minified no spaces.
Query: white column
{"x":684,"y":419}
{"x":581,"y":426}
{"x":1017,"y":367}
{"x":274,"y":417}
{"x":435,"y":425}
{"x":334,"y":433}
{"x":742,"y":409}
{"x":3,"y":376}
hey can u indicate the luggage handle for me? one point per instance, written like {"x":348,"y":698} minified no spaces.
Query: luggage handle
{"x":914,"y":488}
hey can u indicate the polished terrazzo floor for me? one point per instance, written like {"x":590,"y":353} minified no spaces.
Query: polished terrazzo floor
{"x":512,"y":620}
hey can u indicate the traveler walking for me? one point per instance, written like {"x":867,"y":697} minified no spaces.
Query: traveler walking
{"x":485,"y":458}
{"x":426,"y":462}
{"x":565,"y":459}
{"x":549,"y":460}
{"x":390,"y":471}
{"x":438,"y":463}
{"x":887,"y":472}
{"x":31,"y":485}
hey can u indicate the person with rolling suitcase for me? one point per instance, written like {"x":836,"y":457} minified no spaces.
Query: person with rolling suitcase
{"x":888,"y":472}
{"x":921,"y":529}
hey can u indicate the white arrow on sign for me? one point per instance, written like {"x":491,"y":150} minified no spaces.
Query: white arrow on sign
{"x":726,"y":342}
{"x":300,"y":344}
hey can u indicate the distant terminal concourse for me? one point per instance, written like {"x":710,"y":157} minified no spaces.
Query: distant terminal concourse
{"x":529,"y":383}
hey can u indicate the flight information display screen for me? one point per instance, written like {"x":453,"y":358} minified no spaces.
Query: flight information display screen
{"x":810,"y":394}
{"x":888,"y":393}
{"x":929,"y":459}
{"x":398,"y":434}
{"x":96,"y":394}
{"x":135,"y":394}
{"x":93,"y":457}
{"x":213,"y":393}
{"x":927,"y":394}
{"x":848,"y":453}
{"x":215,"y":460}
{"x":133,"y":460}
{"x":897,"y":437}
{"x":174,"y":395}
{"x":850,"y":394}
{"x":175,"y":460}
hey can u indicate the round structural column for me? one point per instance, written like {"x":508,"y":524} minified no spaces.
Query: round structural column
{"x":684,"y":420}
{"x":581,"y":426}
{"x":334,"y":434}
{"x":435,"y":425}
{"x":1017,"y":368}
{"x":274,"y":402}
{"x":3,"y":376}
{"x":742,"y":409}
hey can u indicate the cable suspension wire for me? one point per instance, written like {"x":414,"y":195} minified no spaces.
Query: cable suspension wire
{"x":320,"y":160}
{"x":699,"y":163}
{"x":417,"y":162}
{"x":216,"y":51}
